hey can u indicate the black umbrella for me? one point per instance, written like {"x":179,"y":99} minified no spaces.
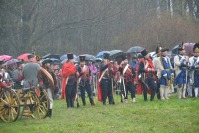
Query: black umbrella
{"x":89,"y":57}
{"x":56,"y":56}
{"x":135,"y":49}
{"x":55,"y":61}
{"x":116,"y":53}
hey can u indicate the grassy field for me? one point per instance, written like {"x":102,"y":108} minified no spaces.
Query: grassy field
{"x":174,"y":115}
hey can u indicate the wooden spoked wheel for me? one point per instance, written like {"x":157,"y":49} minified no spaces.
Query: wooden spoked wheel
{"x":41,"y":106}
{"x":9,"y":105}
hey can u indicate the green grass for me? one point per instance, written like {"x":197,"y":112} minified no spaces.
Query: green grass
{"x":174,"y":115}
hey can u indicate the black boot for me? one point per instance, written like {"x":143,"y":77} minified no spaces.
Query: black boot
{"x":50,"y":113}
{"x":68,"y":102}
{"x":92,"y":101}
{"x":84,"y":101}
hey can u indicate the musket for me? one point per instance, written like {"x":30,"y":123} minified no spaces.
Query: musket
{"x":141,"y":80}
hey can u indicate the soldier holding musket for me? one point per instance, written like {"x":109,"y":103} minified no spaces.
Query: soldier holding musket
{"x":155,"y":63}
{"x":128,"y":75}
{"x":105,"y":80}
{"x":47,"y":81}
{"x":84,"y":81}
{"x":147,"y":72}
{"x":180,"y":65}
{"x":167,"y":74}
{"x":194,"y":71}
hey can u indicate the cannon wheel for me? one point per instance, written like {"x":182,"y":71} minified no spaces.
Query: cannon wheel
{"x":42,"y":104}
{"x":9,"y":105}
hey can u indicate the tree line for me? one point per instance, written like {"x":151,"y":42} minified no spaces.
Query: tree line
{"x":90,"y":26}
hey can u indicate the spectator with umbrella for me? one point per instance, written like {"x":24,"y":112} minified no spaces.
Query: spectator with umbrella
{"x":30,"y":71}
{"x":17,"y":75}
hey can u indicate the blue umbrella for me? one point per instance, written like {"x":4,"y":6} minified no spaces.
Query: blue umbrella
{"x":101,"y":54}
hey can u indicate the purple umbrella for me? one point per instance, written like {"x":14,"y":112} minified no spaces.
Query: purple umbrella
{"x":12,"y":62}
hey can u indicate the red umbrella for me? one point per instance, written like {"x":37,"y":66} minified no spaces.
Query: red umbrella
{"x":24,"y":57}
{"x":5,"y":57}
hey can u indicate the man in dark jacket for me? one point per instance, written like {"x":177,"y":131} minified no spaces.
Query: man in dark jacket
{"x":47,"y":80}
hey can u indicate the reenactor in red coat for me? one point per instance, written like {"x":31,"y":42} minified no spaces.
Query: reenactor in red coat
{"x":69,"y":82}
{"x":128,"y":75}
{"x":84,"y":81}
{"x":147,"y":75}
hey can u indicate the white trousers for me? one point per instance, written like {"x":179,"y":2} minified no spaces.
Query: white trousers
{"x":49,"y":92}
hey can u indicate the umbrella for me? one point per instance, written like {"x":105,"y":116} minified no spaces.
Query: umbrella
{"x":56,"y":56}
{"x":5,"y":57}
{"x":89,"y":57}
{"x":76,"y":58}
{"x":24,"y":57}
{"x":63,"y":57}
{"x":116,"y":53}
{"x":135,"y":49}
{"x":188,"y":48}
{"x":98,"y":59}
{"x":55,"y":61}
{"x":101,"y":54}
{"x":12,"y":62}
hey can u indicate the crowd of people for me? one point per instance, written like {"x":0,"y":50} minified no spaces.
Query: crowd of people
{"x":136,"y":75}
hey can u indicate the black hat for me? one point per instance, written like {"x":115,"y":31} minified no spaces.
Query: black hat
{"x":196,"y":48}
{"x":19,"y":62}
{"x":164,"y":49}
{"x":45,"y":61}
{"x":106,"y":55}
{"x":124,"y":57}
{"x":70,"y":55}
{"x":181,"y":46}
{"x":2,"y":62}
{"x":158,"y":48}
{"x":82,"y":58}
{"x":144,"y":52}
{"x":30,"y":56}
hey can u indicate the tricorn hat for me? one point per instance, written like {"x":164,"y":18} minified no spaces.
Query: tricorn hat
{"x":82,"y":58}
{"x":196,"y":48}
{"x":181,"y":46}
{"x":70,"y":55}
{"x":164,"y":49}
{"x":106,"y":55}
{"x":144,"y":52}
